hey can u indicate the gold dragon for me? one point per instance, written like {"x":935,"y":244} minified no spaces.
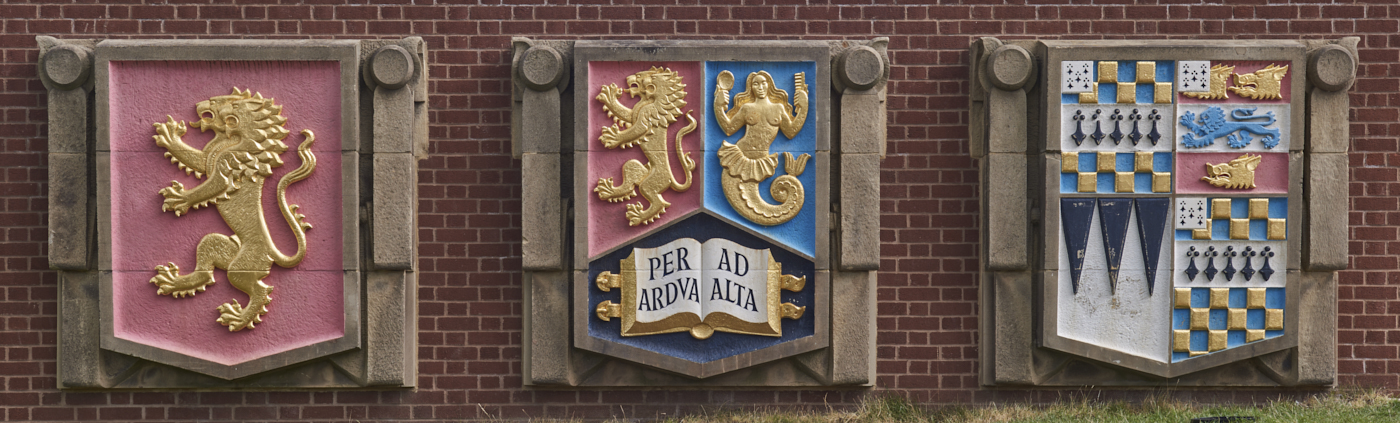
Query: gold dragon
{"x":1237,"y":174}
{"x":661,"y":95}
{"x":762,"y":110}
{"x":1219,"y":81}
{"x":1263,"y":84}
{"x":247,"y":144}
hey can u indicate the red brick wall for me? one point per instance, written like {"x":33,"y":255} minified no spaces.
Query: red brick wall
{"x":470,"y":299}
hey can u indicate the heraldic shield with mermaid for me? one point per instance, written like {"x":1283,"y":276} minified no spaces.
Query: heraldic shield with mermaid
{"x":701,"y":209}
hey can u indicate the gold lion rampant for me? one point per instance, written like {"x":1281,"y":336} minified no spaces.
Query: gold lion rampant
{"x":661,"y":95}
{"x":1263,"y":84}
{"x":762,"y":110}
{"x":1219,"y":81}
{"x":248,"y":130}
{"x":1237,"y":174}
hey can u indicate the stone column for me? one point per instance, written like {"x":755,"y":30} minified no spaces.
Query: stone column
{"x":1002,"y":76}
{"x":541,"y":72}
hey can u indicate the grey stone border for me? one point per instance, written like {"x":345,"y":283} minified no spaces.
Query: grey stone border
{"x":378,"y":348}
{"x":1020,"y":344}
{"x":552,"y":147}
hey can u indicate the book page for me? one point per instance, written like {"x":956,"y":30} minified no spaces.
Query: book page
{"x":735,"y":281}
{"x":668,"y":280}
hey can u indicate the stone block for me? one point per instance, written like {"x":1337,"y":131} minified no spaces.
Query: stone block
{"x":542,"y":225}
{"x":391,"y":67}
{"x":1326,"y":241}
{"x":1333,"y":67}
{"x":861,"y":67}
{"x":1006,"y":121}
{"x":393,"y":120}
{"x":391,"y":325}
{"x":540,"y":67}
{"x":70,"y":223}
{"x":1009,"y":67}
{"x":540,"y":124}
{"x":103,"y":176}
{"x":860,"y":212}
{"x":68,"y":121}
{"x":1329,"y":130}
{"x":1006,"y":212}
{"x":420,"y":130}
{"x":853,"y":328}
{"x":64,"y":65}
{"x":547,"y":342}
{"x":863,"y":122}
{"x":1011,"y":327}
{"x":350,"y":209}
{"x":1317,"y":328}
{"x":394,"y":204}
{"x":79,"y":312}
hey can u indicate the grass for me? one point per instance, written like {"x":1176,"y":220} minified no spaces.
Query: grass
{"x":1350,"y":406}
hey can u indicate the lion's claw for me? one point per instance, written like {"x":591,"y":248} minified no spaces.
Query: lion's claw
{"x":175,"y":198}
{"x":170,"y":282}
{"x":606,"y":191}
{"x":237,"y":318}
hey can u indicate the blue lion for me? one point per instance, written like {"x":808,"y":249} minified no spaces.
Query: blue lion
{"x":1212,"y":124}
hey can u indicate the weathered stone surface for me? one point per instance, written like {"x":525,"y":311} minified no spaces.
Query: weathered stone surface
{"x":70,"y":237}
{"x":1317,"y":328}
{"x":541,"y":208}
{"x":391,"y":66}
{"x":863,"y":122}
{"x":420,"y":130}
{"x":1011,"y":327}
{"x":860,"y":212}
{"x":78,"y":331}
{"x":393,"y":120}
{"x":540,"y":130}
{"x":1326,"y":247}
{"x":1006,"y":121}
{"x":1332,"y":68}
{"x":394,"y":201}
{"x":68,"y":121}
{"x":1006,"y":212}
{"x":66,"y":66}
{"x":1329,"y":130}
{"x":541,"y":67}
{"x":861,"y":68}
{"x":350,"y":211}
{"x":391,"y":323}
{"x":1009,"y":67}
{"x":547,"y":341}
{"x":853,"y":330}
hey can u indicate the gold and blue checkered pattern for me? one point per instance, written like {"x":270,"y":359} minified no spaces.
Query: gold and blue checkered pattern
{"x":1123,"y":78}
{"x":1112,"y":172}
{"x":1254,"y":219}
{"x":1206,"y":320}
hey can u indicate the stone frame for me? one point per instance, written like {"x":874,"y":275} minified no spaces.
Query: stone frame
{"x":384,"y":133}
{"x":553,"y":152}
{"x":1011,"y":108}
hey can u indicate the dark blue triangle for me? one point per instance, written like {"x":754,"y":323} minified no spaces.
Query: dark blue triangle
{"x":1113,"y":219}
{"x":1076,"y":214}
{"x":1152,"y":224}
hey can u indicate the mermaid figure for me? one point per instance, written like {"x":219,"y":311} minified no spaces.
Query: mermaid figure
{"x":762,"y":110}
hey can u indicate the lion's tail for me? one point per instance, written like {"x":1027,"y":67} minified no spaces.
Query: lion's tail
{"x":686,"y":162}
{"x":294,"y":219}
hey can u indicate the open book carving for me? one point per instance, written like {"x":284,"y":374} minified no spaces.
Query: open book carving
{"x":687,"y":285}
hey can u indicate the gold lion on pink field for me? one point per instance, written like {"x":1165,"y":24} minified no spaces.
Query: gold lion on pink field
{"x":248,"y":132}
